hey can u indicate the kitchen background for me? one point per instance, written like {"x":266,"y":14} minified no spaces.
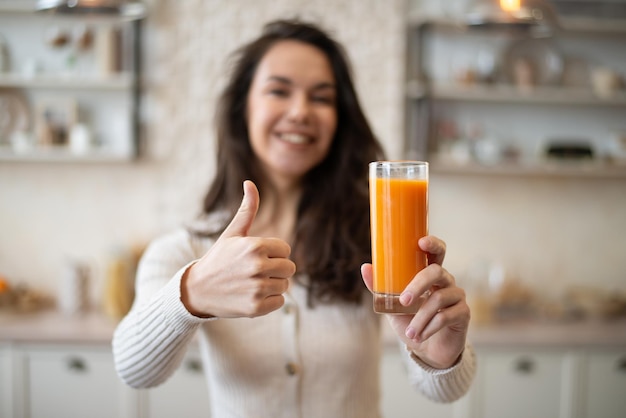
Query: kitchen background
{"x":526,"y":235}
{"x":552,"y":233}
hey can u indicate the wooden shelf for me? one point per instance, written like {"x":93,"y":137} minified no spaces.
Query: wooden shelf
{"x":17,"y":6}
{"x":29,"y":7}
{"x":505,"y":93}
{"x":590,"y":169}
{"x":589,"y":26}
{"x":594,"y":26}
{"x":63,"y":155}
{"x":122,"y":81}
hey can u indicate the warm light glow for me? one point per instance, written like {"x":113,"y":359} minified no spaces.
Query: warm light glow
{"x":510,"y":5}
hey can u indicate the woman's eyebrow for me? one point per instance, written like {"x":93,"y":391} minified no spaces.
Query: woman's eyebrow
{"x":324,"y":85}
{"x":286,"y":80}
{"x":280,"y":79}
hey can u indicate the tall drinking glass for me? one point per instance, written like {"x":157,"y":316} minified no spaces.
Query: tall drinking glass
{"x":399,"y":218}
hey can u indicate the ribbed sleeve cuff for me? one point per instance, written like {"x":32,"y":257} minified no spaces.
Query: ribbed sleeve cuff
{"x":174,"y":311}
{"x":444,"y":385}
{"x":150,"y":342}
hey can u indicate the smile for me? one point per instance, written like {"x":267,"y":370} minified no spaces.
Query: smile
{"x":298,"y":139}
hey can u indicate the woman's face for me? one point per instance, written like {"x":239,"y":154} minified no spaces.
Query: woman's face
{"x":291,"y":109}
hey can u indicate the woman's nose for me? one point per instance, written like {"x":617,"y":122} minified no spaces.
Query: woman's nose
{"x":299,"y":109}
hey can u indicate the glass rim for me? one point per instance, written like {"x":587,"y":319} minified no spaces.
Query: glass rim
{"x":398,"y":163}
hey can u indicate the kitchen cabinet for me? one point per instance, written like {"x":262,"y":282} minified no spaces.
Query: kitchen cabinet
{"x":71,"y":381}
{"x":70,"y":90}
{"x":466,"y":114}
{"x":603,"y":378}
{"x":185,"y":394}
{"x":79,"y":380}
{"x":5,"y":382}
{"x":50,"y":362}
{"x":399,"y":398}
{"x":558,"y":382}
{"x":521,"y":384}
{"x":540,"y":378}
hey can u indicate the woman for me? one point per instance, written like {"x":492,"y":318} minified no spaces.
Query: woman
{"x":272,"y":281}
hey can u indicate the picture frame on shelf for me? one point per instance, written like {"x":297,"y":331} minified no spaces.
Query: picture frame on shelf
{"x":54,"y":119}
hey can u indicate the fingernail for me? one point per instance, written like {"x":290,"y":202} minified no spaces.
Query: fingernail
{"x":405,"y":298}
{"x":410,"y":333}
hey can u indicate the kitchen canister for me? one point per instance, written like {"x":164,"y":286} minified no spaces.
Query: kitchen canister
{"x":80,"y":139}
{"x":106,"y":50}
{"x":4,"y":55}
{"x":118,"y":290}
{"x":74,"y":289}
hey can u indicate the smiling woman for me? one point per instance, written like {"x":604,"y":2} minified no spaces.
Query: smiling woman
{"x":291,"y":109}
{"x":272,"y":281}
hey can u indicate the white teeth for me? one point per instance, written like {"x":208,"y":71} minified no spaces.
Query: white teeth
{"x":295,"y":138}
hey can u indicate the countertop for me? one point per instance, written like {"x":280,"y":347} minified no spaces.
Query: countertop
{"x":584,"y":333}
{"x":56,"y":328}
{"x":52,"y":327}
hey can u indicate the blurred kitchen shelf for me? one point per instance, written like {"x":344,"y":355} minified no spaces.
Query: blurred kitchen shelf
{"x":511,"y":94}
{"x":64,"y":155}
{"x":17,"y":6}
{"x":122,"y":81}
{"x":29,"y":7}
{"x":593,"y":26}
{"x":546,"y":169}
{"x":582,"y":25}
{"x":434,"y":43}
{"x":106,"y":102}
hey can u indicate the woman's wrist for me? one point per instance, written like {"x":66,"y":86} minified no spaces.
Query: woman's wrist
{"x":416,"y":357}
{"x":186,"y":292}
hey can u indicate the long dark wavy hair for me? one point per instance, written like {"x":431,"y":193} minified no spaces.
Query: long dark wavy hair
{"x":332,"y":232}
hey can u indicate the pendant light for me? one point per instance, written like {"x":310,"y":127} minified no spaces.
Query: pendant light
{"x":534,"y":16}
{"x":125,"y":9}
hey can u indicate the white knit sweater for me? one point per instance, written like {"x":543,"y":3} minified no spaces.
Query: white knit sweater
{"x":296,"y":362}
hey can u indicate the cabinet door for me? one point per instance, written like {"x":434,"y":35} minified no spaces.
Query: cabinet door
{"x":520,"y":385}
{"x":399,"y":398}
{"x":5,"y":382}
{"x":72,"y":382}
{"x":605,"y":392}
{"x":185,"y":394}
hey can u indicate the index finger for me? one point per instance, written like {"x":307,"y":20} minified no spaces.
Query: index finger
{"x":425,"y":282}
{"x":277,"y":248}
{"x":434,"y":248}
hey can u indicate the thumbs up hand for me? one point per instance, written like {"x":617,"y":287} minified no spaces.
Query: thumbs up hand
{"x":240,"y":275}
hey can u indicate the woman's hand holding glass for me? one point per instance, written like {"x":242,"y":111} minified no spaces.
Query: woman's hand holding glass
{"x":437,"y":332}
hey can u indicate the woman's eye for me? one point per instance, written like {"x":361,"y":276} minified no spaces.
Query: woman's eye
{"x":278,"y":92}
{"x":324,"y":99}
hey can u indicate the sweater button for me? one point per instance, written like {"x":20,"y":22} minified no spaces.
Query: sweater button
{"x":291,"y":369}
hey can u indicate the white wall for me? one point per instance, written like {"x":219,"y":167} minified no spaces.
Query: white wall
{"x":551,"y":233}
{"x":547,"y":231}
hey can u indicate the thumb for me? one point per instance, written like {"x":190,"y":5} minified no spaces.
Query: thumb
{"x":242,"y":221}
{"x":368,"y":275}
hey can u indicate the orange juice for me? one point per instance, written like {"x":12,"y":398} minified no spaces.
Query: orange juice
{"x":399,"y":218}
